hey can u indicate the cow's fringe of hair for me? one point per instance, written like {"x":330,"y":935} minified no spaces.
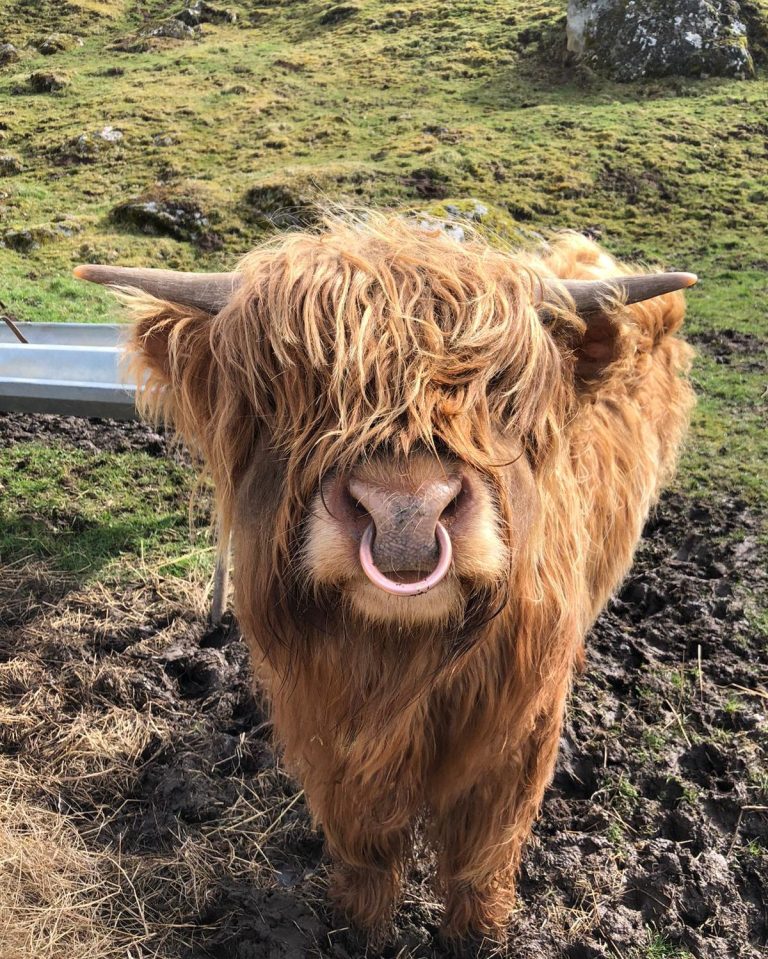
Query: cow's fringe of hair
{"x":378,"y":335}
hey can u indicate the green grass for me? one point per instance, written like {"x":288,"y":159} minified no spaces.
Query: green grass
{"x":92,"y":514}
{"x":659,"y":947}
{"x":413,"y":104}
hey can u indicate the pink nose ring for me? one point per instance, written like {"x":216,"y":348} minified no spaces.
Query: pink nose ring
{"x":378,"y":578}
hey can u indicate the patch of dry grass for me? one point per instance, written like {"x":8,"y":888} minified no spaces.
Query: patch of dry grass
{"x":77,"y":734}
{"x":57,"y":897}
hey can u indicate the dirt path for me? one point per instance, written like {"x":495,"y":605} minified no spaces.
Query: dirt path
{"x":136,"y":725}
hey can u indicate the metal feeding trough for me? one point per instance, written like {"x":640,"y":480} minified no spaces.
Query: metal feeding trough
{"x":75,"y":369}
{"x":68,"y":368}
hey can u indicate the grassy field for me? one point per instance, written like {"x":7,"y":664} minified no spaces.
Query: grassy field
{"x":248,"y":127}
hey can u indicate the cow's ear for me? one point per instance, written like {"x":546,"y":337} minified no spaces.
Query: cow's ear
{"x":602,"y":344}
{"x":591,"y":345}
{"x":604,"y":322}
{"x":169,"y":357}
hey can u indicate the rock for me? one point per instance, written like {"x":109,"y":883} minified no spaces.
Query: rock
{"x":67,"y":225}
{"x":281,"y":205}
{"x":633,"y":39}
{"x":163,"y":213}
{"x":9,"y":165}
{"x":42,"y":82}
{"x":110,"y":135}
{"x":300,"y":196}
{"x":172,"y":30}
{"x":90,"y":147}
{"x":429,"y":221}
{"x":202,"y":12}
{"x":455,"y":232}
{"x":8,"y":54}
{"x":58,"y":43}
{"x":338,"y":14}
{"x":429,"y":183}
{"x":24,"y":241}
{"x":469,"y":210}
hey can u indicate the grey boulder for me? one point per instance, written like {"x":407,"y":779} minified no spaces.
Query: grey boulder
{"x":633,"y":39}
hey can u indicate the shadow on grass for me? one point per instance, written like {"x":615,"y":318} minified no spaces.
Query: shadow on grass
{"x":81,"y":548}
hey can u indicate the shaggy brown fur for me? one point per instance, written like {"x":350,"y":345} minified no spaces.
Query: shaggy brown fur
{"x":393,"y":352}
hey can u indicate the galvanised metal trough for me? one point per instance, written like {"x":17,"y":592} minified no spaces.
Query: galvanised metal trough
{"x":68,"y":368}
{"x":75,"y":369}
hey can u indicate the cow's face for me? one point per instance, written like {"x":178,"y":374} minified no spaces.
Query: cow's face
{"x":419,"y":539}
{"x":402,"y":401}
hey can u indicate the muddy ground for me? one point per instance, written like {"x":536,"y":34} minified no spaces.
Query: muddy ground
{"x":136,"y":725}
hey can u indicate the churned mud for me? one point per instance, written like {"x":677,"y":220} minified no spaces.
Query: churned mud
{"x":129,"y":721}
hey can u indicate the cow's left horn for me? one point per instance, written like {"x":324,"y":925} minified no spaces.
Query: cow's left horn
{"x":209,"y":292}
{"x":590,"y":295}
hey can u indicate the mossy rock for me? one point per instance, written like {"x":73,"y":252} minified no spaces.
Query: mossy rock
{"x":636,"y":39}
{"x":182,"y":213}
{"x":58,"y":43}
{"x":338,"y":13}
{"x":463,"y":216}
{"x":428,"y":182}
{"x":8,"y":54}
{"x":90,"y":147}
{"x":44,"y":82}
{"x":755,"y":14}
{"x":301,"y":197}
{"x":25,"y":241}
{"x":173,"y":30}
{"x":202,"y":12}
{"x":9,"y":165}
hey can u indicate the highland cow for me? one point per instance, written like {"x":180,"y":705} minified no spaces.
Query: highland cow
{"x":435,"y":460}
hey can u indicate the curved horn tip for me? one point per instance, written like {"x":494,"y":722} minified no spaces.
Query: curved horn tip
{"x":690,"y":279}
{"x":92,"y":272}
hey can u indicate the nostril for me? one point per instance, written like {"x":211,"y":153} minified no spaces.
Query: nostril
{"x":354,"y":507}
{"x":457,"y":504}
{"x":453,"y":507}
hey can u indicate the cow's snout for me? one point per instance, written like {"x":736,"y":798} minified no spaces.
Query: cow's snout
{"x":404,"y":532}
{"x":406,"y":527}
{"x":405,"y":523}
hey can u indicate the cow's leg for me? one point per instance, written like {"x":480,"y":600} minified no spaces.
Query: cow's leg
{"x":369,"y":858}
{"x":368,"y":874}
{"x":480,"y":834}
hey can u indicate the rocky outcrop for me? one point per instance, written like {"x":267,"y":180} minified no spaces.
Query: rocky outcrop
{"x":186,"y":24}
{"x":8,"y":54}
{"x":202,"y":12}
{"x":165,"y":212}
{"x":172,"y":30}
{"x":58,"y":43}
{"x":633,"y":39}
{"x":90,"y":147}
